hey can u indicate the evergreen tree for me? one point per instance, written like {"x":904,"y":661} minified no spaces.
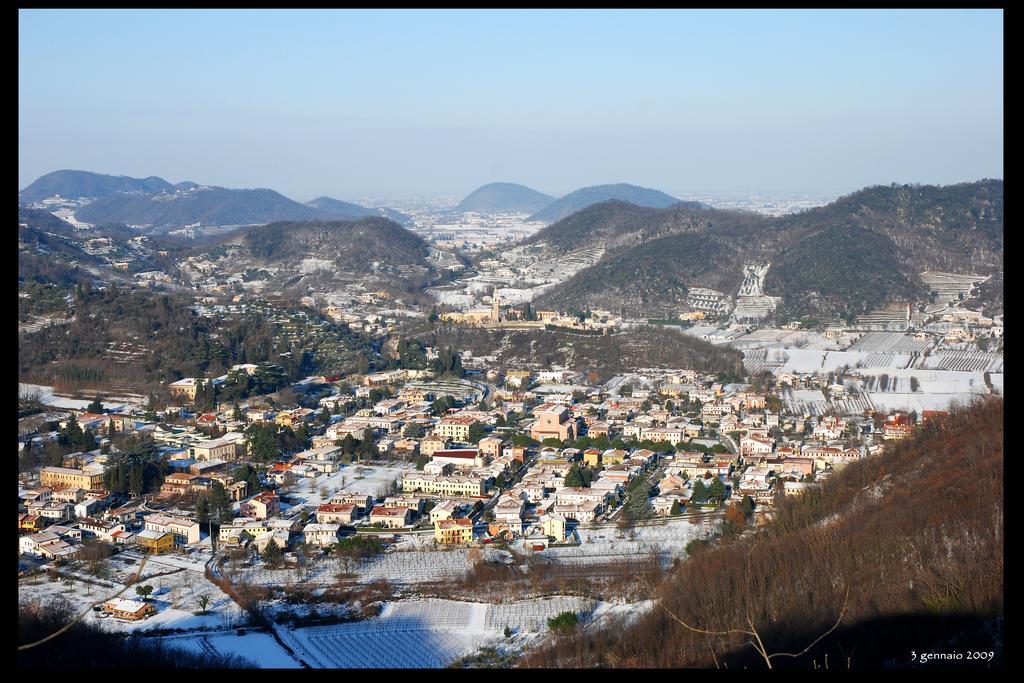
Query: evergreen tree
{"x":135,"y":481}
{"x":272,"y":555}
{"x":202,"y":509}
{"x":220,"y":504}
{"x":151,"y":408}
{"x":700,"y":493}
{"x":366,"y":449}
{"x":574,"y":477}
{"x":96,"y":406}
{"x":717,"y":489}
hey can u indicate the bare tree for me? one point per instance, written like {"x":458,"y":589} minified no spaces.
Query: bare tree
{"x":203,"y":601}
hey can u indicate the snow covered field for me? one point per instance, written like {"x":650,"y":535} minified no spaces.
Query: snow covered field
{"x":426,"y":633}
{"x":178,"y":584}
{"x":259,"y":648}
{"x":46,"y":396}
{"x":668,"y":540}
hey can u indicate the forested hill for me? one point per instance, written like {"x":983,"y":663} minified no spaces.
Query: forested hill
{"x":614,"y":224}
{"x":899,"y":552}
{"x":586,"y":196}
{"x":44,"y":220}
{"x":78,"y":184}
{"x":504,"y":198}
{"x":350,"y":245}
{"x":204,"y":205}
{"x":856,"y":254}
{"x":337,"y":208}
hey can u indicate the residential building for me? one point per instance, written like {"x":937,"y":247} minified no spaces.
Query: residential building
{"x":261,"y":506}
{"x":86,"y":478}
{"x":132,"y":610}
{"x":184,"y":531}
{"x":321,"y":534}
{"x":452,"y":531}
{"x":392,"y":518}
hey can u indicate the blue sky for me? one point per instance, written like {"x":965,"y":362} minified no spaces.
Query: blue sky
{"x":351,"y":103}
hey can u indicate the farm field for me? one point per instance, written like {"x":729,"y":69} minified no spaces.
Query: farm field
{"x":259,"y":648}
{"x":891,"y":342}
{"x":427,"y":633}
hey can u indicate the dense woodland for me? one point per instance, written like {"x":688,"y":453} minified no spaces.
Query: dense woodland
{"x":600,"y":357}
{"x":862,"y":251}
{"x":124,"y":338}
{"x":899,"y":552}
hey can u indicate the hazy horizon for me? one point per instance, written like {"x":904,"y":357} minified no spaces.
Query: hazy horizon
{"x":437,"y":103}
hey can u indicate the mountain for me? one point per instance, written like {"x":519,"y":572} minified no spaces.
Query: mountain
{"x":897,"y":552}
{"x":614,"y":224}
{"x":859,"y":253}
{"x":402,"y":219}
{"x":84,"y":184}
{"x":208,"y":206}
{"x":336,"y":208}
{"x":504,"y":198}
{"x":322,"y":256}
{"x":340,"y":209}
{"x":584,"y":197}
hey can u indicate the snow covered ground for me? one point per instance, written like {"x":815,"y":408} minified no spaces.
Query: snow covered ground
{"x":178,"y":584}
{"x":372,"y":480}
{"x":259,"y":648}
{"x":46,"y":396}
{"x":668,"y":540}
{"x":430,"y":633}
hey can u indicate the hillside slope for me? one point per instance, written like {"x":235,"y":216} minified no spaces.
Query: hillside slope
{"x":78,"y":184}
{"x":858,"y":253}
{"x":321,"y":256}
{"x":336,"y":208}
{"x":205,"y":205}
{"x":585,"y":196}
{"x":904,"y":550}
{"x":504,"y":198}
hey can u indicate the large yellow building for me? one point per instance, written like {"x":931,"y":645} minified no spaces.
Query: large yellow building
{"x":457,"y":530}
{"x":65,"y":476}
{"x":156,"y":542}
{"x":184,"y":388}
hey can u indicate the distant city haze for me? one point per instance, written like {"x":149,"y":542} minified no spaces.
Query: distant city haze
{"x":419,"y":103}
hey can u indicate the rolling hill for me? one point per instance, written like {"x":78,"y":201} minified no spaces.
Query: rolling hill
{"x":159,"y":205}
{"x":368,"y":254}
{"x":586,"y":196}
{"x":504,"y":198}
{"x":336,"y":208}
{"x":207,"y":206}
{"x":858,"y":253}
{"x":85,"y":184}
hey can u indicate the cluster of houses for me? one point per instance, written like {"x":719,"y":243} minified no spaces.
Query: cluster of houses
{"x":472,"y":466}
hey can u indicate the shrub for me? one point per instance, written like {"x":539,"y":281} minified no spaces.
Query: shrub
{"x":565,"y":621}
